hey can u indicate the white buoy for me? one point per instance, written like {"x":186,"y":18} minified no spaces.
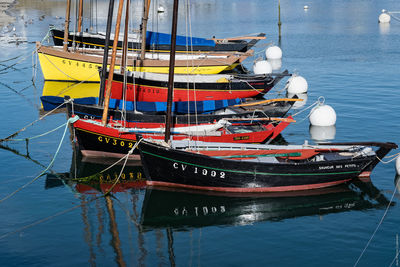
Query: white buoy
{"x":262,"y":67}
{"x":384,"y":18}
{"x":296,"y":85}
{"x":273,"y":52}
{"x":276,"y":64}
{"x":322,"y":115}
{"x":398,"y":165}
{"x":305,"y":7}
{"x":160,"y":9}
{"x":322,"y":133}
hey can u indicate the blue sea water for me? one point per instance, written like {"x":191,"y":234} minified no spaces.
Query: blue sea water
{"x":338,"y":46}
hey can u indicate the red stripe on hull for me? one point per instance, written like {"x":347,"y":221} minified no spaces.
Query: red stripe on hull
{"x":159,"y":94}
{"x":254,"y":189}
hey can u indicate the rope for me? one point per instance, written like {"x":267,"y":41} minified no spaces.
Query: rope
{"x":393,"y":16}
{"x":71,"y":120}
{"x":55,"y":66}
{"x":72,"y":208}
{"x":30,"y":124}
{"x":320,"y":101}
{"x":376,"y":229}
{"x":123,"y":167}
{"x":19,"y":61}
{"x":45,"y":219}
{"x":40,"y":135}
{"x":394,"y":157}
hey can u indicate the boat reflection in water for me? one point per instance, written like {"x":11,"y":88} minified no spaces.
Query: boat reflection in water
{"x":180,"y":209}
{"x":54,"y":92}
{"x":91,"y":176}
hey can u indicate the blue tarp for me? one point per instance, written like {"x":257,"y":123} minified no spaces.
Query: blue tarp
{"x":177,"y":107}
{"x":159,"y":38}
{"x":183,"y":107}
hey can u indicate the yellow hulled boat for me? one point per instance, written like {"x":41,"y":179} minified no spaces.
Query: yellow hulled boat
{"x":83,"y":65}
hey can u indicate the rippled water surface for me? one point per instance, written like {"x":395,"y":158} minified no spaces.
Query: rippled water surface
{"x":346,"y":57}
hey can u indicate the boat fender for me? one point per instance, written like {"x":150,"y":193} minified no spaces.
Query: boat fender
{"x":273,"y":52}
{"x":296,"y":85}
{"x":160,"y":9}
{"x":384,"y":17}
{"x":262,"y":67}
{"x":322,"y":115}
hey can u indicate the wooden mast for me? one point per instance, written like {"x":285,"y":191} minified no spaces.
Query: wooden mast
{"x":80,"y":16}
{"x":112,"y":65}
{"x":145,"y":18}
{"x":105,"y":56}
{"x":66,"y":29}
{"x":171,"y":71}
{"x":125,"y":44}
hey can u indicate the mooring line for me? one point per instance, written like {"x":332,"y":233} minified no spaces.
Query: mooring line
{"x":74,"y":207}
{"x":19,"y":61}
{"x":46,"y":218}
{"x":32,"y":123}
{"x":123,"y":167}
{"x":71,"y":120}
{"x":377,"y":227}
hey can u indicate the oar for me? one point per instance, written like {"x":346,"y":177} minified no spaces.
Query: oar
{"x":267,"y":101}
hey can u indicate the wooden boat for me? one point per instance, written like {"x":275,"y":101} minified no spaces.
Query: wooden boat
{"x":147,"y":86}
{"x":257,"y":168}
{"x":160,"y":42}
{"x":111,"y":138}
{"x":83,"y":64}
{"x":116,"y":139}
{"x":249,"y":110}
{"x":152,"y":87}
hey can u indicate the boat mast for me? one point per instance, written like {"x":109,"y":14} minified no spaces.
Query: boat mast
{"x":111,"y":72}
{"x":66,"y":29}
{"x":80,"y":15}
{"x":125,"y":44}
{"x":171,"y":71}
{"x":145,"y":18}
{"x":105,"y":56}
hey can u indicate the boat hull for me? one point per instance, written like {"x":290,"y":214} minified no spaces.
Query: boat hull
{"x":97,"y":41}
{"x":94,"y":112}
{"x":140,"y":89}
{"x":175,"y":168}
{"x":98,"y":141}
{"x":58,"y":65}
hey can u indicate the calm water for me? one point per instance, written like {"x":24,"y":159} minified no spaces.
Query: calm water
{"x":344,"y":54}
